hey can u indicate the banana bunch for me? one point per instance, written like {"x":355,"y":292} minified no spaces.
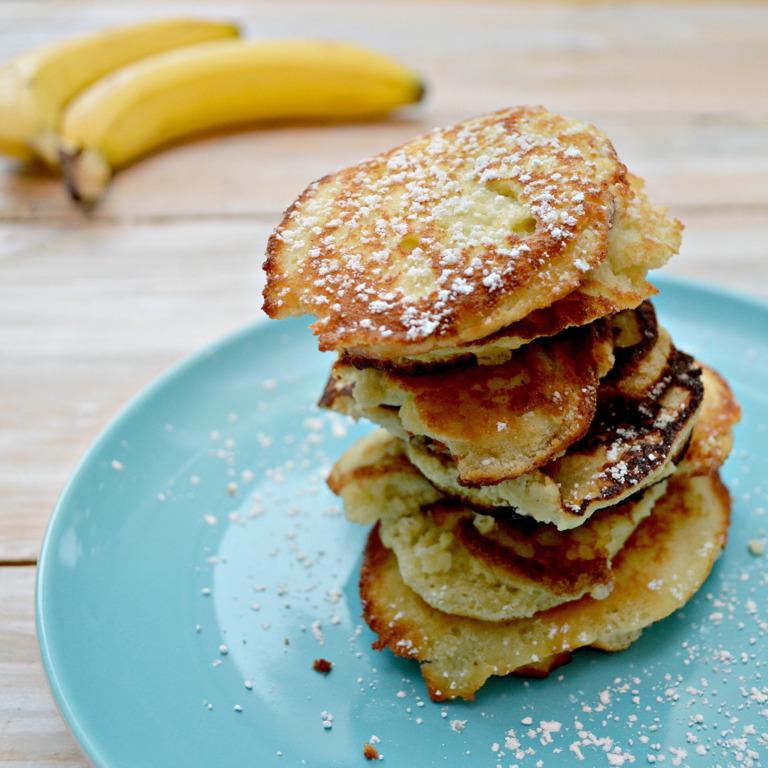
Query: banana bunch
{"x":125,"y":96}
{"x":36,"y":87}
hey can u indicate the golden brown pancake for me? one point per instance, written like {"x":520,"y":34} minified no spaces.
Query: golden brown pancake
{"x":496,"y":422}
{"x":462,"y":232}
{"x":577,"y":308}
{"x":658,"y":570}
{"x":647,"y":408}
{"x":712,"y":437}
{"x":604,"y":291}
{"x":465,"y":562}
{"x":474,"y":565}
{"x":631,"y":443}
{"x":533,"y":494}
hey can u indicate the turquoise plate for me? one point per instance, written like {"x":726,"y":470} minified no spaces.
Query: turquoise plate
{"x":196,"y":566}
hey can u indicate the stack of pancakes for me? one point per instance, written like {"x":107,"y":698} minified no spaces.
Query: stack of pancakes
{"x":545,"y":472}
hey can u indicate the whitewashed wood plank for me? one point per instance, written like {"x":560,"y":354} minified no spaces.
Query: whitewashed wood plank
{"x":32,"y":733}
{"x":656,"y":78}
{"x":89,"y":317}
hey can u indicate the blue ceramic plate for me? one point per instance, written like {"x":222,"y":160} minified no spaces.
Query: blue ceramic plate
{"x":196,"y":566}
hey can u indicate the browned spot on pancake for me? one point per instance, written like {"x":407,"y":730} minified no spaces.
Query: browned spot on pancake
{"x":630,"y":439}
{"x":336,"y":395}
{"x":635,"y":334}
{"x":544,"y":383}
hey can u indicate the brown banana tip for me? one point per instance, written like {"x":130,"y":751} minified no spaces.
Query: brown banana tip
{"x":77,"y":167}
{"x":68,"y":163}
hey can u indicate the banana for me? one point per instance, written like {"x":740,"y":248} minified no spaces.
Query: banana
{"x":36,"y":86}
{"x":230,"y":83}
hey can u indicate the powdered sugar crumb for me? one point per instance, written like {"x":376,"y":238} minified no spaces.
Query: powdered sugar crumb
{"x":317,"y":631}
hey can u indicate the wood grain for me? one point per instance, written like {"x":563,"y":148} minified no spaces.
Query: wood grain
{"x":93,"y":308}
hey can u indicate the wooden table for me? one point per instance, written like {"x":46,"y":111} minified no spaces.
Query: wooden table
{"x":93,"y":308}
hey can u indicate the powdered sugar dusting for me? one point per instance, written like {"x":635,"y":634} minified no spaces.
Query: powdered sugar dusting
{"x":402,"y":246}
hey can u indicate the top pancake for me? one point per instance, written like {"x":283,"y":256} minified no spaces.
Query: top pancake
{"x":462,"y":232}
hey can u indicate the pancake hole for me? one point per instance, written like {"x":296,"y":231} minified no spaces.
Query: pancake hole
{"x":504,"y":188}
{"x":524,"y":227}
{"x":409,"y":243}
{"x":525,"y":224}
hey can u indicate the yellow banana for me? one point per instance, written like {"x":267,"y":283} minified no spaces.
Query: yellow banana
{"x":227,"y":83}
{"x":36,"y":86}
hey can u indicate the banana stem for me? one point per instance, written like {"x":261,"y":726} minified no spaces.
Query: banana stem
{"x":86,"y":174}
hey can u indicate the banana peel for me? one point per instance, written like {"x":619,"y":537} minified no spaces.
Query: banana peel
{"x":89,"y":105}
{"x":177,"y":94}
{"x":36,"y":86}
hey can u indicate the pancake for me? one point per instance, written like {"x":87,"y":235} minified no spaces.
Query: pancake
{"x":631,"y":443}
{"x":659,"y":569}
{"x":642,"y":351}
{"x":468,"y":563}
{"x":462,"y":232}
{"x":647,"y":407}
{"x":474,"y":565}
{"x":496,"y":422}
{"x":575,"y":309}
{"x":712,"y":437}
{"x":534,"y":494}
{"x":374,"y":475}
